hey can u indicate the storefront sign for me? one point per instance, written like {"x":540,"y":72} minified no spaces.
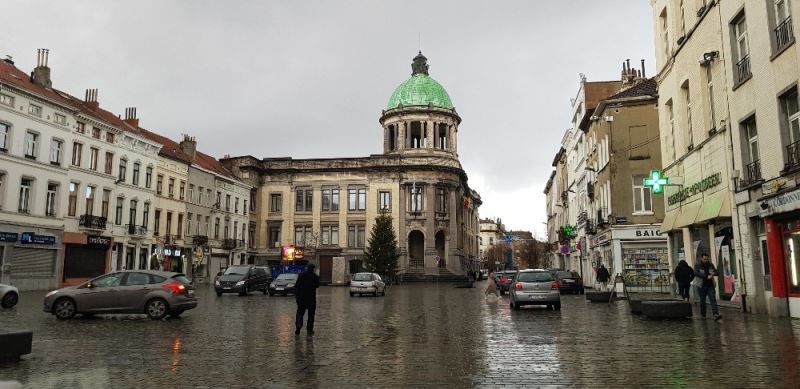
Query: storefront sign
{"x":98,"y":241}
{"x":8,"y":237}
{"x":779,"y":204}
{"x":698,"y":187}
{"x":172,"y":251}
{"x":621,"y":220}
{"x":32,"y":238}
{"x":641,"y":233}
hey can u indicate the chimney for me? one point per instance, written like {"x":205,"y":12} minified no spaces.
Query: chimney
{"x":91,"y":98}
{"x":8,"y":60}
{"x":643,"y":75}
{"x":630,"y":76}
{"x":189,"y":146}
{"x":41,"y":73}
{"x":130,"y":116}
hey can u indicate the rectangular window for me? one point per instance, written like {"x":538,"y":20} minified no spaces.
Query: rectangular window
{"x":180,"y":225}
{"x":136,"y":169}
{"x":95,"y":133}
{"x":35,"y":110}
{"x":159,"y":184}
{"x":741,"y":49}
{"x":357,"y":199}
{"x":50,"y":201}
{"x":199,"y":222}
{"x":228,"y":203}
{"x":208,"y":225}
{"x":303,"y":200}
{"x":671,"y":121}
{"x":171,"y":187}
{"x":157,"y":222}
{"x":72,"y":207}
{"x":31,"y":139}
{"x":275,"y":202}
{"x":330,"y":199}
{"x":93,"y":156}
{"x":790,"y":112}
{"x":109,"y":165}
{"x":106,"y":200}
{"x":191,"y":193}
{"x":4,"y":128}
{"x":148,"y":177}
{"x":25,"y":187}
{"x":216,"y":228}
{"x":81,"y":128}
{"x":302,"y":235}
{"x":244,"y":208}
{"x":355,"y":236}
{"x":784,"y":34}
{"x":60,"y":119}
{"x":441,"y":200}
{"x":123,"y":169}
{"x":90,"y":200}
{"x":235,"y":229}
{"x":118,"y":211}
{"x":218,"y":204}
{"x":109,"y":137}
{"x":182,"y":190}
{"x":208,"y":196}
{"x":236,"y":205}
{"x":384,"y":201}
{"x":132,"y":215}
{"x":689,"y":131}
{"x":56,"y":149}
{"x":415,"y":198}
{"x":712,"y":114}
{"x":189,"y":224}
{"x":2,"y":189}
{"x":253,"y":194}
{"x":750,"y":133}
{"x":146,"y":215}
{"x":642,"y":201}
{"x":274,"y":237}
{"x":6,"y":100}
{"x":169,"y":224}
{"x":330,"y":235}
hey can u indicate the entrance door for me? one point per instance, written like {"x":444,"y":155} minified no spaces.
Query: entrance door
{"x":792,"y":262}
{"x":325,"y":269}
{"x":440,"y":248}
{"x":416,"y":249}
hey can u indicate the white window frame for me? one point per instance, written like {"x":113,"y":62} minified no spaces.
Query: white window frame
{"x":77,"y":153}
{"x":357,"y":199}
{"x":50,"y":199}
{"x":751,"y":136}
{"x":94,"y":155}
{"x":711,"y":107}
{"x":56,"y":150}
{"x":782,"y":7}
{"x":24,"y":204}
{"x":740,"y":33}
{"x":6,"y":100}
{"x":31,"y":142}
{"x":5,"y":132}
{"x":35,"y":110}
{"x":72,"y":206}
{"x":791,"y":118}
{"x":639,"y":190}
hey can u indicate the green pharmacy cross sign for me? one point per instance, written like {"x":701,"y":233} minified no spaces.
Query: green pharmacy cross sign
{"x":656,"y":182}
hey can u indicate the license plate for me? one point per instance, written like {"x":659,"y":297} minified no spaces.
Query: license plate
{"x":569,"y":281}
{"x":227,"y":287}
{"x":278,"y":288}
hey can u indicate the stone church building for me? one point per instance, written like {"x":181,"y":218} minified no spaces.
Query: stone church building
{"x":328,"y":206}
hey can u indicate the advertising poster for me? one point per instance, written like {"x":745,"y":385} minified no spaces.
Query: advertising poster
{"x":725,"y":254}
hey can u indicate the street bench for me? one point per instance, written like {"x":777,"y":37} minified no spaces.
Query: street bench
{"x":636,"y":304}
{"x":15,"y":344}
{"x":674,"y":309}
{"x":596,"y":296}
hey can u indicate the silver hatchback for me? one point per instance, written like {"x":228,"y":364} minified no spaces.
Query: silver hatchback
{"x":154,"y":293}
{"x":535,"y":287}
{"x":367,"y":283}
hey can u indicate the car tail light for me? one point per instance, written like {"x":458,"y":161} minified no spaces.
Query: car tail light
{"x":554,"y":285}
{"x":503,"y":279}
{"x":518,"y":285}
{"x":176,"y":287}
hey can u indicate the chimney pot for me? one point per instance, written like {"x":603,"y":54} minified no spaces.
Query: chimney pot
{"x":41,"y":73}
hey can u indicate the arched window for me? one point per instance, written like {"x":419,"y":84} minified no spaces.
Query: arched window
{"x":415,"y":136}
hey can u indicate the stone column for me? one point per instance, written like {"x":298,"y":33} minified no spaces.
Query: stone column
{"x":429,"y":136}
{"x":453,"y":139}
{"x":386,"y":141}
{"x":401,"y":135}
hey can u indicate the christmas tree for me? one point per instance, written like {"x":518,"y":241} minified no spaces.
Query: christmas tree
{"x":381,"y":255}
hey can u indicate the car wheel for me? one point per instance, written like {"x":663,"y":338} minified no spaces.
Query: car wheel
{"x":156,"y":309}
{"x":352,"y":294}
{"x":64,"y":308}
{"x":516,"y":306}
{"x":384,"y":292}
{"x":219,"y":293}
{"x":557,"y":306}
{"x":175,"y":314}
{"x":264,"y":291}
{"x":10,"y":300}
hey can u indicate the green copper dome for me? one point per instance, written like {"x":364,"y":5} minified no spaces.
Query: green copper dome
{"x":420,"y":89}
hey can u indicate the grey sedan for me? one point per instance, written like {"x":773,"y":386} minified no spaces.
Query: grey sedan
{"x":151,"y":292}
{"x":535,"y":287}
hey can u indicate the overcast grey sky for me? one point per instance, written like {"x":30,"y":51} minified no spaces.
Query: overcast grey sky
{"x":309,"y":78}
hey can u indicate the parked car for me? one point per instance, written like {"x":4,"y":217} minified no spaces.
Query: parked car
{"x":9,"y":296}
{"x":151,"y":292}
{"x":504,"y":279}
{"x":284,"y":284}
{"x":569,"y":282}
{"x":535,"y":287}
{"x":367,"y":283}
{"x":242,"y":279}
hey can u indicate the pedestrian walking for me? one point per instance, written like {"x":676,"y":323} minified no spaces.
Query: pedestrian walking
{"x":491,"y":287}
{"x":306,"y":296}
{"x":684,"y":275}
{"x":603,"y":276}
{"x":706,"y":271}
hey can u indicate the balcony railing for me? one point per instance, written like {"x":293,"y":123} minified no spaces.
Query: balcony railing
{"x":200,"y":240}
{"x":136,"y":230}
{"x":591,"y":228}
{"x":230,"y":244}
{"x":793,"y":156}
{"x":752,"y":175}
{"x":784,"y":34}
{"x":171,"y":239}
{"x":92,"y":222}
{"x":743,"y":70}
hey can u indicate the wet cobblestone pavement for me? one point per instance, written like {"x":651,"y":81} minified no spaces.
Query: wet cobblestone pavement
{"x":424,"y":335}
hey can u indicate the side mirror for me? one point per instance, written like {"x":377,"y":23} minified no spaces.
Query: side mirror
{"x":219,"y":274}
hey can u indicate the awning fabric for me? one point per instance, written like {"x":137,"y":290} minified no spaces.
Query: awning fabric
{"x":688,"y":214}
{"x":715,"y":206}
{"x":669,"y":220}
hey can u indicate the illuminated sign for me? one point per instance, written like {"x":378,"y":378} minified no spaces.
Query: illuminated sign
{"x":290,"y":253}
{"x":656,"y":182}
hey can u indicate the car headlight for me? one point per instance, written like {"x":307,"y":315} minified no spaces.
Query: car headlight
{"x":216,"y":282}
{"x":272,"y":285}
{"x":50,"y":294}
{"x":289,"y":285}
{"x":240,"y":283}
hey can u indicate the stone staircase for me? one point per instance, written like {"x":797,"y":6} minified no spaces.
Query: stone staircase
{"x":417,"y":274}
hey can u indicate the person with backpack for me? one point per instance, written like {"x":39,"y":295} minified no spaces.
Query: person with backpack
{"x":603,"y":276}
{"x":684,"y":275}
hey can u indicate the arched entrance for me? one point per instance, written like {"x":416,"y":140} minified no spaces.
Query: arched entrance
{"x":440,"y":248}
{"x":416,"y":249}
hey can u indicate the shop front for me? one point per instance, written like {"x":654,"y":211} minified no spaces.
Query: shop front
{"x":641,"y":256}
{"x":781,"y":213}
{"x":29,"y":257}
{"x":85,"y":257}
{"x":170,"y":258}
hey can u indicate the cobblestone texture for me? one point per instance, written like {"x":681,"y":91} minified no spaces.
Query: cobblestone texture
{"x":417,"y":336}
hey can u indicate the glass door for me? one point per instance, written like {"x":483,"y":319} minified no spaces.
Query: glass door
{"x":792,"y":247}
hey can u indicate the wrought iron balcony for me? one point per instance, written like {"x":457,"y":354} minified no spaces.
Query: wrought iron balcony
{"x":200,"y":240}
{"x":793,"y":157}
{"x":743,"y":72}
{"x":230,"y":244}
{"x":171,"y":239}
{"x":784,"y":34}
{"x":591,"y":228}
{"x":136,"y":230}
{"x":752,"y":175}
{"x":92,"y":222}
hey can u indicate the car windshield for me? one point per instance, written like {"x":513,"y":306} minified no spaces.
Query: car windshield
{"x":535,"y":277}
{"x":287,"y":276}
{"x":182,"y":278}
{"x":362,"y":277}
{"x":239,"y":270}
{"x":564,"y":274}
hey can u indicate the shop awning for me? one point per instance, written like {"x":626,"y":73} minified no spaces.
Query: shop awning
{"x":669,"y":220}
{"x":688,"y":214}
{"x":715,"y":206}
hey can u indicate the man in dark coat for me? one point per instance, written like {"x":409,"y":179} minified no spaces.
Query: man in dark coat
{"x":684,"y":275}
{"x":603,"y":276}
{"x":706,"y":271}
{"x":306,"y":295}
